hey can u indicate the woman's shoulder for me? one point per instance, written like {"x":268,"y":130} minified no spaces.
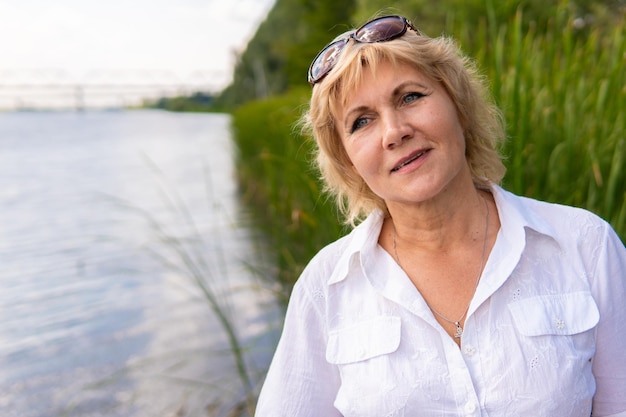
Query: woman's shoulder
{"x":563,"y":222}
{"x":313,"y":283}
{"x":326,"y":260}
{"x":565,"y":217}
{"x":334,"y":259}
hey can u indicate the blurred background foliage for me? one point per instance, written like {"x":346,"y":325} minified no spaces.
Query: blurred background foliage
{"x":556,"y":68}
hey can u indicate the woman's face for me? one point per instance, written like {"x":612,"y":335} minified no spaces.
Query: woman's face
{"x":402,"y":134}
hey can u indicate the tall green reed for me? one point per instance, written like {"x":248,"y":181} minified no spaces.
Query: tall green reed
{"x":563,"y":94}
{"x":180,"y":245}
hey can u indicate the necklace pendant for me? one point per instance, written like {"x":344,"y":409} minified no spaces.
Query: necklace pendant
{"x":459,"y":330}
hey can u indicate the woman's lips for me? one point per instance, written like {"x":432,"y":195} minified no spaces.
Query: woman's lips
{"x":406,"y":161}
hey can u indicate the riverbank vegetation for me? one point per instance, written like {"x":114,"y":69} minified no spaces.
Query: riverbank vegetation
{"x":556,"y":70}
{"x":278,"y":179}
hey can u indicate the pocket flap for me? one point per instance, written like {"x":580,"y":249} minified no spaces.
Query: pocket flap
{"x":561,"y":314}
{"x":363,"y":340}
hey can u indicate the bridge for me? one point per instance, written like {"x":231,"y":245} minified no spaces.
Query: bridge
{"x":35,"y":89}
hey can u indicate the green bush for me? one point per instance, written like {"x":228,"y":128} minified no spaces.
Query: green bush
{"x":278,"y":180}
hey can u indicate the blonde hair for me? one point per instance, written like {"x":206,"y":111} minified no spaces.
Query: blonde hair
{"x":437,"y":58}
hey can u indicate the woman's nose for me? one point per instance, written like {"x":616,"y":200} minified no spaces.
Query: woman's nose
{"x":396,"y":130}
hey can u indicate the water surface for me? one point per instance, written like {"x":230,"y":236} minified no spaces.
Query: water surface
{"x":98,"y":313}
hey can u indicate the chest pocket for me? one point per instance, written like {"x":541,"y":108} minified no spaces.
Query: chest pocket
{"x":561,"y":314}
{"x":363,"y":340}
{"x":362,"y":353}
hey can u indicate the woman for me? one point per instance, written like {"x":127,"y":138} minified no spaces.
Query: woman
{"x":453,"y":297}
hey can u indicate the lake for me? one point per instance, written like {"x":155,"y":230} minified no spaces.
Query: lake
{"x":115,"y":228}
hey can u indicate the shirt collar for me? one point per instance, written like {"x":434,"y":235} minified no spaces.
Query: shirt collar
{"x":521,"y":212}
{"x":362,"y":239}
{"x":516,"y":214}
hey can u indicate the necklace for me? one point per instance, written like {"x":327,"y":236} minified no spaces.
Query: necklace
{"x":459,"y":330}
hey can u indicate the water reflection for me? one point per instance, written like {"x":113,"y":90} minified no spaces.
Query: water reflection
{"x":92,"y":322}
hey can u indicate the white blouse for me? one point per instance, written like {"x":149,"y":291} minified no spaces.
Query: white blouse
{"x":545,"y":334}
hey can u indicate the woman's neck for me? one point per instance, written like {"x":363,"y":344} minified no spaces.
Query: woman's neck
{"x":441,"y":223}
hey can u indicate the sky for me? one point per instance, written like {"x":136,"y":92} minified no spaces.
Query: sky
{"x":81,"y":36}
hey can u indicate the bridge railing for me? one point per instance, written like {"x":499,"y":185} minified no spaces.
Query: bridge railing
{"x":44,"y":89}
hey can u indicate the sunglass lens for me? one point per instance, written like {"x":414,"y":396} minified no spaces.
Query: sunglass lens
{"x":382,"y":29}
{"x":325,"y":61}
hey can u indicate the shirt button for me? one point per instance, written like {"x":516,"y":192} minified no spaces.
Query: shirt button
{"x":469,"y":350}
{"x":470,"y":407}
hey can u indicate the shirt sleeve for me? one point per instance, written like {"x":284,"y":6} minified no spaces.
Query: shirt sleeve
{"x":300,"y":382}
{"x":609,"y":363}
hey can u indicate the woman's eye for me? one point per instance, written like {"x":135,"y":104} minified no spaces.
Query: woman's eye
{"x":359,"y":123}
{"x":411,"y":97}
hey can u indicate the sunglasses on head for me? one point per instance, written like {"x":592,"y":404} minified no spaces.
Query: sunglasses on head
{"x":381,"y":29}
